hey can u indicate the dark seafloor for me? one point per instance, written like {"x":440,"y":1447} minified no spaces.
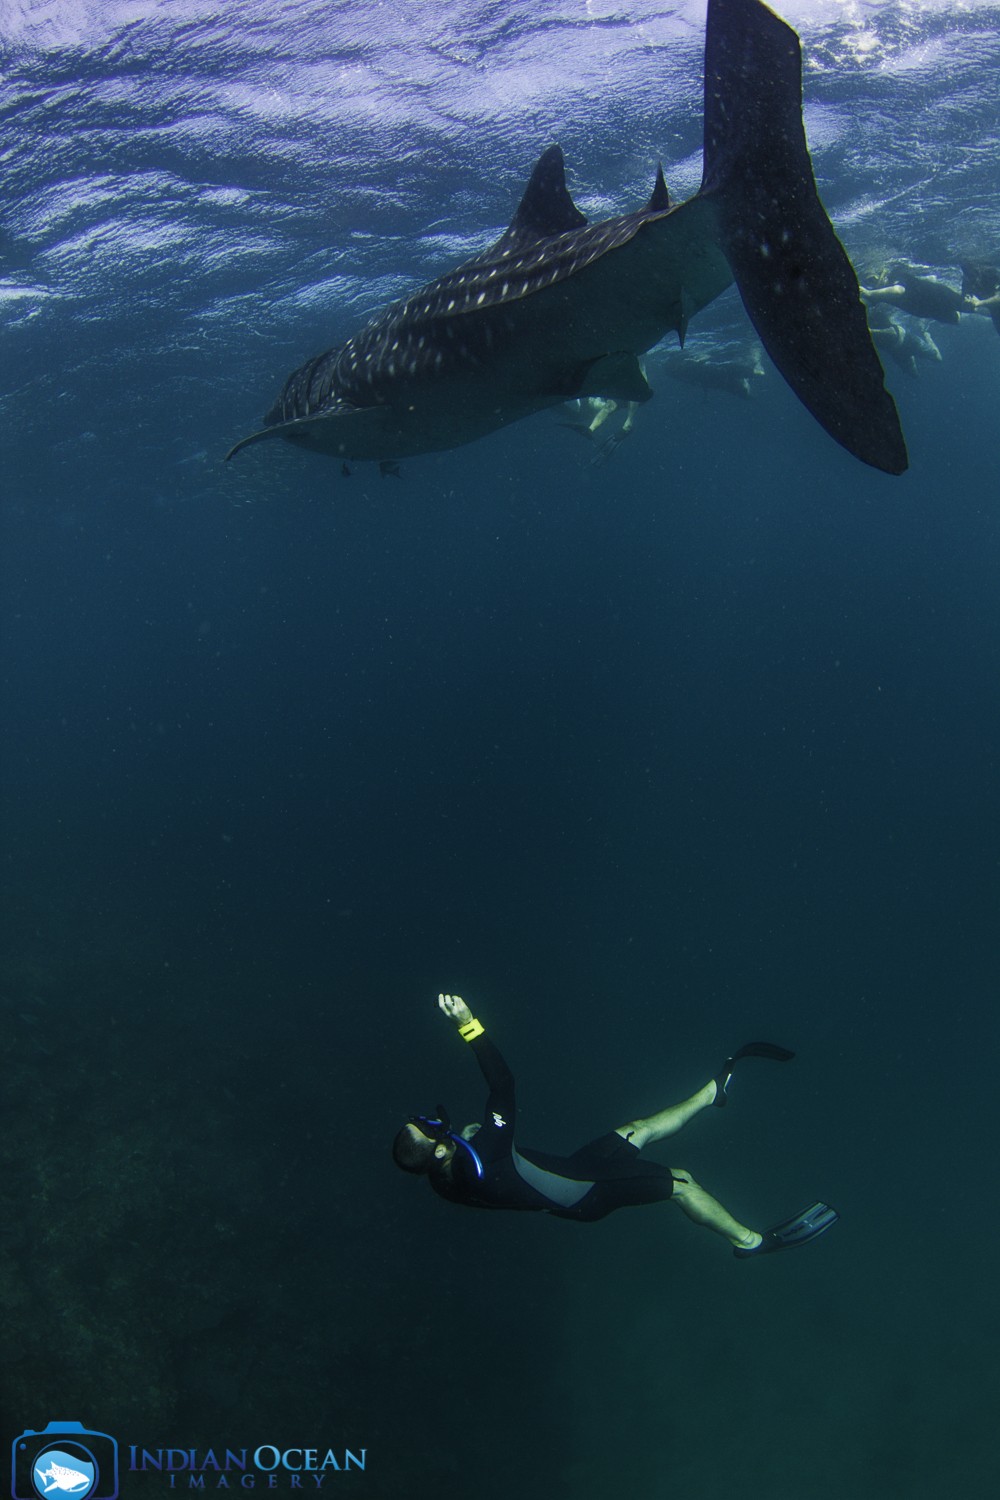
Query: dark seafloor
{"x":646,"y":761}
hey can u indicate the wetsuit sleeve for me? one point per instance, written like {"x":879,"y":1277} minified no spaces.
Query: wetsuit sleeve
{"x":495,"y":1138}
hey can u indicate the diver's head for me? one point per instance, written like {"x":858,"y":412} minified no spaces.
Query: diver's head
{"x":424,"y":1144}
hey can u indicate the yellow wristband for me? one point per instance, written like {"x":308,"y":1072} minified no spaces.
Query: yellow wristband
{"x":471,"y":1030}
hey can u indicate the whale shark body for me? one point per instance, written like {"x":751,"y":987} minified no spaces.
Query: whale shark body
{"x":558,"y":308}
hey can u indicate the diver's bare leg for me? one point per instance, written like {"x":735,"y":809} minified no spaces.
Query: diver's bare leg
{"x":703,"y":1209}
{"x":668,"y":1121}
{"x":604,"y":410}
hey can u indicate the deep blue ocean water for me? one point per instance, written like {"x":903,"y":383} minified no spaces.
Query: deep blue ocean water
{"x":645,"y":759}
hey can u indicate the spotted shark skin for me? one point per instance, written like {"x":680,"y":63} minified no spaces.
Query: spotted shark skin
{"x":558,"y":308}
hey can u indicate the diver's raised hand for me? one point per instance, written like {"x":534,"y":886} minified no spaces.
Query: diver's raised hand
{"x":455,"y":1008}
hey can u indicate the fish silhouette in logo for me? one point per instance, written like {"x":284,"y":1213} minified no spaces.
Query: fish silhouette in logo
{"x":65,"y":1480}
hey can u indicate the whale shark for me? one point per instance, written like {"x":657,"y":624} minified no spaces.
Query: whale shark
{"x":559,"y":309}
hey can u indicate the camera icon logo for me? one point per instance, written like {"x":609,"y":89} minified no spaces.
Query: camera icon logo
{"x":63,"y":1459}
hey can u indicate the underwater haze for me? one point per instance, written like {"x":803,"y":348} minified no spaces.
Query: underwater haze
{"x":645,"y":757}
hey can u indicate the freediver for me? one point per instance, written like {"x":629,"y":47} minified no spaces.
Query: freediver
{"x":480,"y":1167}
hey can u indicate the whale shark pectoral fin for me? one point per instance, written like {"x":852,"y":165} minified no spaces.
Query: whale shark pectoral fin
{"x":793,"y":274}
{"x":617,"y":377}
{"x":289,"y":430}
{"x":297,"y":430}
{"x":255,"y":437}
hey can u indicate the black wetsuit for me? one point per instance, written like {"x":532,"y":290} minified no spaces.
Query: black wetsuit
{"x":489,"y":1172}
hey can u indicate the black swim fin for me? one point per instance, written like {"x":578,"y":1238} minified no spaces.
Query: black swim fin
{"x":793,"y":1232}
{"x":751,"y":1049}
{"x":797,"y":284}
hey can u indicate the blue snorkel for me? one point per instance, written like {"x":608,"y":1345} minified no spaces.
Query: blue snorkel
{"x":439,"y":1129}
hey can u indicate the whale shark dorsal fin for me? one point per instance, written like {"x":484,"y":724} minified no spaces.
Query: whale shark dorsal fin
{"x":659,"y":198}
{"x":546,"y":208}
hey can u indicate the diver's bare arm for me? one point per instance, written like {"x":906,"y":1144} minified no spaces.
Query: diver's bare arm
{"x":499,"y":1078}
{"x":501,"y":1106}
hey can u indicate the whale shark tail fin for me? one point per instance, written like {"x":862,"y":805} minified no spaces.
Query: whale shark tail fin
{"x":797,"y":284}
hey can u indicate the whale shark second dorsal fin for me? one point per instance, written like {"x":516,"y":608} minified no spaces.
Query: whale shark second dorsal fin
{"x":659,"y":198}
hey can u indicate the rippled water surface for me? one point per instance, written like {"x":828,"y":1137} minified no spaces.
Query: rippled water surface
{"x":197,"y":196}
